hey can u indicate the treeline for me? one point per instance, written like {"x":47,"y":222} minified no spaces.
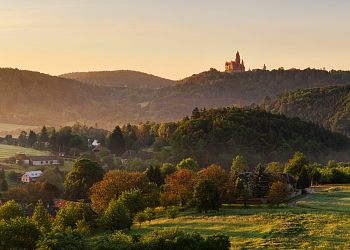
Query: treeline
{"x":122,"y":78}
{"x":32,"y":98}
{"x":327,"y":106}
{"x":211,"y":89}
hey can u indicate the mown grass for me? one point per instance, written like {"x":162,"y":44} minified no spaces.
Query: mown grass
{"x":335,"y":198}
{"x":7,"y":151}
{"x":261,"y":227}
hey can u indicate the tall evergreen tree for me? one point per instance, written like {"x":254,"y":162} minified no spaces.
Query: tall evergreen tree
{"x":102,"y":139}
{"x":2,"y":174}
{"x":31,"y":138}
{"x":44,"y":137}
{"x":4,"y":185}
{"x":116,"y":142}
{"x":259,"y":181}
{"x":53,"y":141}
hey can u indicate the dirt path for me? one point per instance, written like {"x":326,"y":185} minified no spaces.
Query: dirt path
{"x":310,"y":192}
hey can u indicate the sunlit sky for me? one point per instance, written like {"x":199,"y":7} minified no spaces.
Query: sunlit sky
{"x":173,"y":39}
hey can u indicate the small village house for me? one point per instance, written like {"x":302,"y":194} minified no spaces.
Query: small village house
{"x":43,"y":160}
{"x":23,"y":156}
{"x":97,"y":149}
{"x":31,"y":176}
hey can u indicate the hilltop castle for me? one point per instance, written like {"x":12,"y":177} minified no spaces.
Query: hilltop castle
{"x":235,"y":66}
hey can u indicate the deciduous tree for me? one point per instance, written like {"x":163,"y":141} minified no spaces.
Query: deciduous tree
{"x":239,"y":165}
{"x":206,"y":195}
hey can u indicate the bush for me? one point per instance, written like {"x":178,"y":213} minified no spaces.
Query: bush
{"x":171,"y":212}
{"x":62,"y":240}
{"x":150,"y":214}
{"x":133,"y":201}
{"x":18,"y":233}
{"x":10,"y":210}
{"x":13,"y":175}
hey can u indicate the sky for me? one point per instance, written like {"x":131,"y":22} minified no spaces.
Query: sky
{"x":173,"y":39}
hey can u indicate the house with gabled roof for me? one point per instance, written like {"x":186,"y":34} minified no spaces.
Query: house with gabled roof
{"x":31,"y":176}
{"x":23,"y":156}
{"x":43,"y":160}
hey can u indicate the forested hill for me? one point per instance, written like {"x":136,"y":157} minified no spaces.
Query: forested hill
{"x":33,"y":98}
{"x":213,"y":88}
{"x":328,"y":106}
{"x":123,"y":78}
{"x":219,"y":135}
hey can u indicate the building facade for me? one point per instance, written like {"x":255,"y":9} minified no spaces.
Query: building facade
{"x":235,"y":66}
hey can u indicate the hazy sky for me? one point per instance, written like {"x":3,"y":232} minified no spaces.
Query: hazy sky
{"x":173,"y":39}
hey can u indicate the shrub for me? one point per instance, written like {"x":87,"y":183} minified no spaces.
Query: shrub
{"x":171,"y":212}
{"x":62,"y":240}
{"x":83,"y":227}
{"x":133,"y":201}
{"x":18,"y":233}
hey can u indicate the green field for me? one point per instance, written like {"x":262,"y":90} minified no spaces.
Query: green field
{"x":7,"y":151}
{"x":143,"y":104}
{"x":335,"y":198}
{"x":261,"y":227}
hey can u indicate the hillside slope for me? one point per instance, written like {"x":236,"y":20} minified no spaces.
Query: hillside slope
{"x":123,"y":78}
{"x":213,"y":88}
{"x":219,"y":135}
{"x":329,"y":106}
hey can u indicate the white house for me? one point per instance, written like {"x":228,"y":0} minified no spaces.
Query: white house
{"x":43,"y":160}
{"x":23,"y":156}
{"x":31,"y":176}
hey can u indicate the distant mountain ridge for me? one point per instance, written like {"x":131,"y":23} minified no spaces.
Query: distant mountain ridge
{"x":122,"y":78}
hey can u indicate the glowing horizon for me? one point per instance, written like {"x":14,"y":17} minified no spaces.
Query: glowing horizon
{"x":173,"y":40}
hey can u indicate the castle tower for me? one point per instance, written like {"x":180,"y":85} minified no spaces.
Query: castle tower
{"x":238,"y":58}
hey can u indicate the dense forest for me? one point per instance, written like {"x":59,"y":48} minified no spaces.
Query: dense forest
{"x":31,"y":98}
{"x":218,"y":135}
{"x":328,"y":106}
{"x":122,"y":78}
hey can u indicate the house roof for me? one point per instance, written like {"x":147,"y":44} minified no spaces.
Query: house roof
{"x":97,"y":147}
{"x":24,"y":157}
{"x":63,"y":203}
{"x":34,"y":174}
{"x":44,"y":158}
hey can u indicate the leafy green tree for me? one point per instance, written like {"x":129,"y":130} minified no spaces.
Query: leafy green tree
{"x":68,"y":217}
{"x":207,"y":196}
{"x":83,"y":175}
{"x":41,"y":218}
{"x":13,"y":175}
{"x":116,"y":217}
{"x":239,"y":165}
{"x":22,"y":139}
{"x":10,"y":211}
{"x":157,"y":146}
{"x":116,"y":142}
{"x":259,"y":181}
{"x":303,"y":180}
{"x":167,"y":169}
{"x":76,"y":142}
{"x":150,"y":214}
{"x":20,"y":161}
{"x":31,"y":138}
{"x":140,"y":217}
{"x":60,"y":239}
{"x":133,"y":201}
{"x":171,"y":212}
{"x":4,"y":186}
{"x":279,"y":190}
{"x":18,"y":233}
{"x":274,"y":167}
{"x":296,"y":164}
{"x":188,"y":164}
{"x":242,"y":192}
{"x":44,"y":136}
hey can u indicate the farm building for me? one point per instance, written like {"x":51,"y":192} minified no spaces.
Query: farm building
{"x":23,"y":156}
{"x":31,"y":176}
{"x":43,"y":160}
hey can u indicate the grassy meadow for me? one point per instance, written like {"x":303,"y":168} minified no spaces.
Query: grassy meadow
{"x":7,"y":151}
{"x":335,"y":198}
{"x":261,"y":227}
